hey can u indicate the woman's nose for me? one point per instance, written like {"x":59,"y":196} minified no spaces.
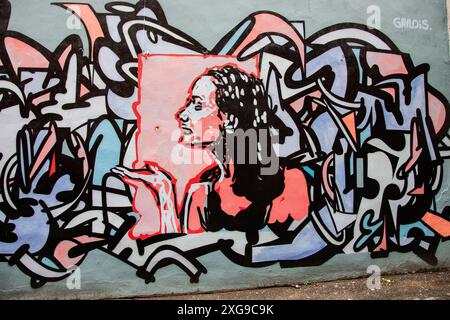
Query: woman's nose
{"x":183,"y":115}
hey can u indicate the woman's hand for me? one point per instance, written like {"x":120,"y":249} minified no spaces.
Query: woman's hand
{"x":153,"y":176}
{"x":161,"y":184}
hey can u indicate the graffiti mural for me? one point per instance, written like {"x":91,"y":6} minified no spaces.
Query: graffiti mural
{"x":274,"y":147}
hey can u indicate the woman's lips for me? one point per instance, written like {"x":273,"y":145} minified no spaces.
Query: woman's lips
{"x":187,"y":130}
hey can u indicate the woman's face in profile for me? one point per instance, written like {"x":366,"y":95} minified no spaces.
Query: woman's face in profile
{"x":199,"y":120}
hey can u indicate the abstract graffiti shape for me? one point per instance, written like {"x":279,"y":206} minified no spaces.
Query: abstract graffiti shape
{"x":102,"y":134}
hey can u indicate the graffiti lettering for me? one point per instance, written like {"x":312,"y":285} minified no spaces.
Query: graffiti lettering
{"x":413,"y":24}
{"x":274,"y":147}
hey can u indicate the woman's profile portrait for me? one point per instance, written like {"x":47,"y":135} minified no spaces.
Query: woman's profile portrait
{"x":227,"y":113}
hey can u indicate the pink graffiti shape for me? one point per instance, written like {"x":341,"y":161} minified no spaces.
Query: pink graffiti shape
{"x":90,"y":21}
{"x":23,"y":55}
{"x":437,"y":223}
{"x":269,"y":23}
{"x":63,"y":57}
{"x":388,"y":63}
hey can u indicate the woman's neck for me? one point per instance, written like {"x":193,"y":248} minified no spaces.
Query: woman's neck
{"x":223,"y":160}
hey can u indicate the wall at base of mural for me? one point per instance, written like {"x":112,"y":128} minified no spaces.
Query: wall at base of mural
{"x":133,"y":147}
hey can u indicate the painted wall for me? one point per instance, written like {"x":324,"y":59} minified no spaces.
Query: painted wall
{"x":165,"y":147}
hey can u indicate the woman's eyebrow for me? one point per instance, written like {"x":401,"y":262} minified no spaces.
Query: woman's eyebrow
{"x":196,"y":98}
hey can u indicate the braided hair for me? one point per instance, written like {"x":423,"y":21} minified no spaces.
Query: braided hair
{"x":243,"y":100}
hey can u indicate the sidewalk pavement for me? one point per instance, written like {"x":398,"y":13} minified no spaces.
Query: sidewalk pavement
{"x":416,"y":286}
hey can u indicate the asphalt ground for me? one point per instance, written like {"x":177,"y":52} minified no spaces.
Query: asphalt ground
{"x":415,"y":286}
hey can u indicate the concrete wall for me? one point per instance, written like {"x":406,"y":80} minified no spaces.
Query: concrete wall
{"x":448,"y":20}
{"x":119,"y":177}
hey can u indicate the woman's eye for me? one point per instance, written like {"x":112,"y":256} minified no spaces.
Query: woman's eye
{"x":198,"y":107}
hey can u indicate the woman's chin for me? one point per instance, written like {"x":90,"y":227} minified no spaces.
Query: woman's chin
{"x":189,"y":141}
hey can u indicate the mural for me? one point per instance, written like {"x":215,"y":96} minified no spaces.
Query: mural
{"x":273,"y":147}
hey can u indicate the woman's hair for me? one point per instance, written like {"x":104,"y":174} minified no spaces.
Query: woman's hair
{"x":243,"y":100}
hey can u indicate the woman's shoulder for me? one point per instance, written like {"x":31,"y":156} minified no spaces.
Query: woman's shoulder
{"x":294,"y":201}
{"x":210,"y":175}
{"x":293,"y":174}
